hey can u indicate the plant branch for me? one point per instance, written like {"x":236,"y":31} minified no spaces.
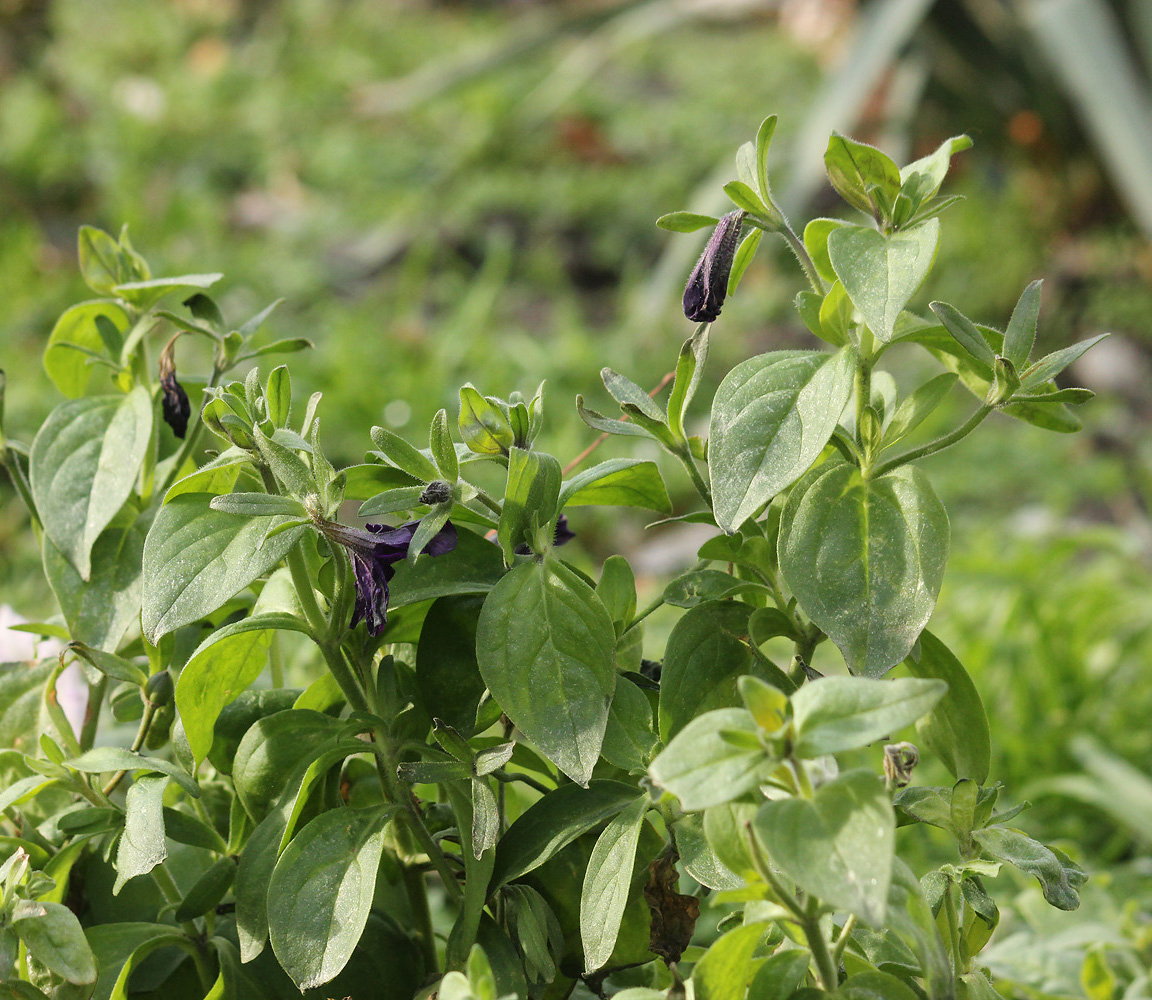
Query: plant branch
{"x":796,"y":245}
{"x":939,"y":444}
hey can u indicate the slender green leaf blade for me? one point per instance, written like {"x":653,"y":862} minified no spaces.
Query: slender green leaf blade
{"x":606,"y":884}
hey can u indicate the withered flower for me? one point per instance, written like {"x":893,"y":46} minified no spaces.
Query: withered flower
{"x":174,"y":406}
{"x":708,"y":283}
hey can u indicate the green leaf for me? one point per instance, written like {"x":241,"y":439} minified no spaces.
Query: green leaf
{"x":966,"y":334}
{"x":618,"y":482}
{"x":53,"y":936}
{"x":531,"y":499}
{"x":196,"y":558}
{"x":855,"y":169}
{"x":700,"y":858}
{"x":101,"y":262}
{"x":933,"y":168}
{"x":617,"y":591}
{"x":606,"y":883}
{"x":446,"y":669}
{"x":816,"y":235}
{"x":1053,"y":364}
{"x":609,"y":425}
{"x":103,"y":759}
{"x":764,"y":135}
{"x":728,"y":965}
{"x":838,"y":845}
{"x":780,"y":975}
{"x":404,"y":456}
{"x":706,"y":653}
{"x":702,"y":768}
{"x":145,"y":294}
{"x":689,"y":370}
{"x":832,"y":714}
{"x":110,"y":664}
{"x":207,"y":891}
{"x":222,"y":666}
{"x":874,"y":986}
{"x":83,"y":465}
{"x":100,"y":611}
{"x":473,"y":567}
{"x":882,"y":273}
{"x":442,"y":448}
{"x":865,"y":560}
{"x":142,"y":844}
{"x":258,"y":505}
{"x":553,"y":822}
{"x":686,"y":222}
{"x":185,"y":828}
{"x":69,"y":368}
{"x":771,"y":418}
{"x":956,"y":730}
{"x":323,"y":886}
{"x":744,"y":254}
{"x":630,"y":737}
{"x":485,"y":818}
{"x":1021,"y":332}
{"x":624,"y":390}
{"x":484,"y":427}
{"x":702,"y":585}
{"x":744,"y":197}
{"x":1059,"y":878}
{"x":545,"y":645}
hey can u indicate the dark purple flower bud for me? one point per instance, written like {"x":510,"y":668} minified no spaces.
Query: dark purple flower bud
{"x":708,"y":283}
{"x":174,"y":406}
{"x":373,"y":551}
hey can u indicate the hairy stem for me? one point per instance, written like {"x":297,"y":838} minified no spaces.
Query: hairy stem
{"x":796,"y":245}
{"x":939,"y":444}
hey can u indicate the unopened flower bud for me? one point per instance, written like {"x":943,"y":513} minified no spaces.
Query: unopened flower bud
{"x":175,"y":405}
{"x":899,"y":761}
{"x":708,"y":283}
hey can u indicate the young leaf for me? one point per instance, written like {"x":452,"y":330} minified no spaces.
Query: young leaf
{"x":83,"y":466}
{"x":1059,"y":878}
{"x":531,"y":498}
{"x":763,"y":141}
{"x":865,"y":560}
{"x":744,"y":255}
{"x":926,"y":174}
{"x":913,"y":410}
{"x":728,"y":966}
{"x":618,"y":482}
{"x":442,"y":448}
{"x":686,"y":222}
{"x":856,"y":169}
{"x":1053,"y":364}
{"x":838,"y":845}
{"x":966,"y":333}
{"x":702,"y":768}
{"x":816,"y":235}
{"x":882,"y":273}
{"x":689,"y":369}
{"x":606,"y":883}
{"x":53,"y":936}
{"x":832,"y":714}
{"x":323,"y":886}
{"x":68,"y":368}
{"x":1021,"y":332}
{"x":771,"y":418}
{"x":546,"y":647}
{"x":484,"y":427}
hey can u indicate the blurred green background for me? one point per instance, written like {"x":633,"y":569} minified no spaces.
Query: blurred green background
{"x":446,"y":191}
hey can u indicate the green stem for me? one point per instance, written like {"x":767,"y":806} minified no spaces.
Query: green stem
{"x":137,"y":743}
{"x":396,"y":791}
{"x":842,"y":939}
{"x":276,"y":661}
{"x":488,"y":502}
{"x":56,"y":713}
{"x":825,"y":966}
{"x":689,"y":464}
{"x":953,"y":929}
{"x":657,"y":603}
{"x":797,"y":246}
{"x":939,"y":444}
{"x":92,"y":713}
{"x":506,"y":776}
{"x":863,"y":386}
{"x":421,"y":914}
{"x":171,"y":893}
{"x":783,"y":896}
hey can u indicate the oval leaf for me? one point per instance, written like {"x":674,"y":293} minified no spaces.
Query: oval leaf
{"x":546,"y":650}
{"x":606,"y":884}
{"x":771,"y":418}
{"x":865,"y":560}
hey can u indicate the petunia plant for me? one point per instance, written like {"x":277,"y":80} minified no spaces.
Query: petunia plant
{"x":489,"y":783}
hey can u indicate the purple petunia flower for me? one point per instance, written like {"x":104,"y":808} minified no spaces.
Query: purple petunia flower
{"x":373,"y":550}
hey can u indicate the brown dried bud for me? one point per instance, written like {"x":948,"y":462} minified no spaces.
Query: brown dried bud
{"x":708,"y":283}
{"x":899,"y":761}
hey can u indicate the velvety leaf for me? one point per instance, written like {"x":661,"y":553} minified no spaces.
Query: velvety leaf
{"x":630,"y":737}
{"x":1059,"y":878}
{"x":1021,"y":332}
{"x":222,"y":666}
{"x":1053,"y":364}
{"x":446,"y":669}
{"x":816,"y":235}
{"x":69,"y":368}
{"x":706,"y":653}
{"x":771,"y":418}
{"x":546,"y":646}
{"x":966,"y":332}
{"x":874,"y":986}
{"x":257,"y":505}
{"x":120,"y":947}
{"x":686,"y":222}
{"x":531,"y":497}
{"x":83,"y":466}
{"x":854,"y":168}
{"x":933,"y":168}
{"x":780,"y":975}
{"x":485,"y":818}
{"x":404,"y":456}
{"x":699,"y":858}
{"x":728,"y":965}
{"x":831,"y":714}
{"x":53,"y":936}
{"x":101,"y":610}
{"x":103,"y":759}
{"x":865,"y":559}
{"x":196,"y":558}
{"x":882,"y":273}
{"x":956,"y":729}
{"x":744,"y":254}
{"x":323,"y":886}
{"x":618,"y":482}
{"x":142,"y":844}
{"x":484,"y":427}
{"x":606,"y":883}
{"x":918,"y":406}
{"x":21,"y":701}
{"x":838,"y":845}
{"x":145,"y":294}
{"x":555,"y":821}
{"x":702,"y":585}
{"x":702,"y":767}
